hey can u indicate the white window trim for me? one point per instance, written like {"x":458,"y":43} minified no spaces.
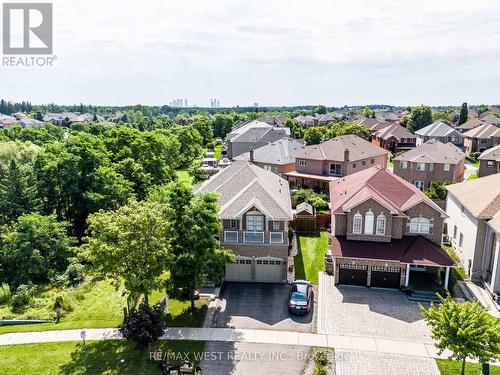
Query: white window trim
{"x":360,"y":217}
{"x":302,"y":163}
{"x":420,"y":226}
{"x":403,"y":164}
{"x":379,"y":232}
{"x":369,"y":222}
{"x":279,"y":234}
{"x":447,"y":167}
{"x":230,"y":231}
{"x":235,"y":222}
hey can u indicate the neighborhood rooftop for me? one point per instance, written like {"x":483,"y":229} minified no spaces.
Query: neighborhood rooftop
{"x":243,"y":185}
{"x":280,"y":152}
{"x":491,"y":154}
{"x":436,"y":129}
{"x":433,"y":151}
{"x":483,"y":131}
{"x":336,"y":148}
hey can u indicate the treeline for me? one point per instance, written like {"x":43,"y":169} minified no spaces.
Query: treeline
{"x":7,"y":107}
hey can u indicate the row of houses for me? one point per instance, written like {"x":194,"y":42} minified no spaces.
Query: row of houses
{"x":385,"y":231}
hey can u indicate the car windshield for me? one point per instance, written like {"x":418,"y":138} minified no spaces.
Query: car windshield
{"x":297,"y":296}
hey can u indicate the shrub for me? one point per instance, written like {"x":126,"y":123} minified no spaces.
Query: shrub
{"x":4,"y":293}
{"x":144,"y":325}
{"x":23,"y":297}
{"x":320,"y":370}
{"x":321,"y":358}
{"x":75,"y":274}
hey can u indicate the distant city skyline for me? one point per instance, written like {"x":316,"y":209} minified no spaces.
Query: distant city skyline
{"x":327,"y":52}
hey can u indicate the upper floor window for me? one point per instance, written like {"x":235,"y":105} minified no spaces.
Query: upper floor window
{"x":302,"y":163}
{"x":380,"y":225}
{"x":491,"y":163}
{"x":363,"y":162}
{"x":431,"y":167}
{"x":446,"y":167}
{"x":420,"y":167}
{"x":354,"y":165}
{"x":372,"y":161}
{"x":233,"y":224}
{"x":420,"y":185}
{"x":268,"y":167}
{"x":403,"y":164}
{"x":357,"y":224}
{"x":276,"y":225}
{"x":369,"y":218}
{"x":335,"y":169}
{"x":255,"y":223}
{"x":420,"y":225}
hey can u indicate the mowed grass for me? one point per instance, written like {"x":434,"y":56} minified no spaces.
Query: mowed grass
{"x":473,"y":176}
{"x":218,"y":151}
{"x":450,"y":367}
{"x":312,"y":248}
{"x":103,"y":357}
{"x":101,"y":307}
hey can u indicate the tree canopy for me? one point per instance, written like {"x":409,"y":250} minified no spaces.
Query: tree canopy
{"x":419,"y":118}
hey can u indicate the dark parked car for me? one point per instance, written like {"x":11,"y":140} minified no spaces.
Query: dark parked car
{"x":300,"y":297}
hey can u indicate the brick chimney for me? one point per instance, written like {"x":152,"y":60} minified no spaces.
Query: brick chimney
{"x":251,"y":154}
{"x":346,"y":154}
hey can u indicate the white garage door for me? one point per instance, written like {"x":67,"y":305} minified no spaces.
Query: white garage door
{"x":240,"y":270}
{"x":268,"y":270}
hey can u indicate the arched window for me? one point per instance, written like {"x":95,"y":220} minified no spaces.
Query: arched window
{"x":420,"y":225}
{"x":357,"y":224}
{"x":380,"y":225}
{"x":369,"y":217}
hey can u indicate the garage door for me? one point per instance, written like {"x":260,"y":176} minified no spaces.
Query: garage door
{"x":385,"y":277}
{"x":240,"y":270}
{"x":353,"y":274}
{"x":268,"y":270}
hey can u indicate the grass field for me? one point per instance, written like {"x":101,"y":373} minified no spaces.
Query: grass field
{"x":449,"y":367}
{"x":472,"y":177}
{"x":97,"y":305}
{"x":310,"y":258}
{"x":184,"y":176}
{"x":103,"y":357}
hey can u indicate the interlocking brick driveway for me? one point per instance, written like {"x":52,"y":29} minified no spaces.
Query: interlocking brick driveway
{"x":358,"y":311}
{"x":369,"y":363}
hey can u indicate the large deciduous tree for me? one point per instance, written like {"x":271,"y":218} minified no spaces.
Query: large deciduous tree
{"x":419,"y":118}
{"x":33,"y":246}
{"x":196,"y":251}
{"x":131,"y":244}
{"x":466,"y":329}
{"x":314,"y":136}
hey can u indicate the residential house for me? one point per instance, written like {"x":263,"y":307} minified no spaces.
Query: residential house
{"x":327,"y":118}
{"x":471,"y":123}
{"x":307,"y":121}
{"x":481,"y":138}
{"x":277,"y":157}
{"x":489,"y":162}
{"x":256,"y":210}
{"x":474,"y":228}
{"x":387,"y":116}
{"x":317,"y":165}
{"x":6,"y":121}
{"x":387,"y":233}
{"x":252,"y":135}
{"x":394,"y":138}
{"x":373,"y":125}
{"x":431,"y":161}
{"x":490,"y":118}
{"x":441,"y":131}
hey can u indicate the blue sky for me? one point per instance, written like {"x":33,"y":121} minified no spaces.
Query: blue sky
{"x":116,"y":52}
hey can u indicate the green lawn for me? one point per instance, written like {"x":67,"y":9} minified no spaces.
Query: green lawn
{"x":310,"y":258}
{"x":218,"y":151}
{"x":103,"y":357}
{"x":472,"y":177}
{"x":184,"y":176}
{"x":449,"y":367}
{"x":97,"y":305}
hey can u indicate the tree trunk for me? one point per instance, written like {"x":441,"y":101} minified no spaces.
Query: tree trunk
{"x":463,"y":367}
{"x":192,"y":303}
{"x":146,"y":298}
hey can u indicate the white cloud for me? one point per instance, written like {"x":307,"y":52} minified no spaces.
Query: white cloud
{"x":272,"y":52}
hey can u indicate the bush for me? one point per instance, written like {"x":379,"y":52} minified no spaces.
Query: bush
{"x":4,"y":293}
{"x":144,"y":325}
{"x":23,"y":297}
{"x":321,"y":358}
{"x":75,"y":274}
{"x":320,"y":370}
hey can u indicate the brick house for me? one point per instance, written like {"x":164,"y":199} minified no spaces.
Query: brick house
{"x":394,"y":138}
{"x":481,"y":138}
{"x":471,"y":123}
{"x":317,"y":165}
{"x":277,"y":157}
{"x":256,"y":210}
{"x":473,"y":209}
{"x":441,"y":131}
{"x":386,"y":232}
{"x":431,"y":161}
{"x":489,"y":162}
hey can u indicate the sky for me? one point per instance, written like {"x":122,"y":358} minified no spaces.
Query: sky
{"x":355,"y":52}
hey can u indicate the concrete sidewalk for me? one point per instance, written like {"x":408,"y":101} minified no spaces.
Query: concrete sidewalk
{"x":240,"y":335}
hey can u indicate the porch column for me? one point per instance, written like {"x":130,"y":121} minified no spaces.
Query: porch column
{"x":446,"y":277}
{"x":407,"y":275}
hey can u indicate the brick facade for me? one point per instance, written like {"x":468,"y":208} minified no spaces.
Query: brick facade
{"x":411,"y":174}
{"x":322,"y":167}
{"x":488,"y":167}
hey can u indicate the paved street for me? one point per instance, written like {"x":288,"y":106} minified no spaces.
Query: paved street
{"x":376,"y":313}
{"x":368,"y":363}
{"x":244,"y":358}
{"x":259,"y":306}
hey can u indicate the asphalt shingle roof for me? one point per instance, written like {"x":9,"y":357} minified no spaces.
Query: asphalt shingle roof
{"x":483,"y":131}
{"x":437,"y":129}
{"x":280,"y":152}
{"x":435,"y":152}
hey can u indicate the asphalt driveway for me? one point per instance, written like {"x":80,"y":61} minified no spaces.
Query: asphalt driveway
{"x":260,"y":306}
